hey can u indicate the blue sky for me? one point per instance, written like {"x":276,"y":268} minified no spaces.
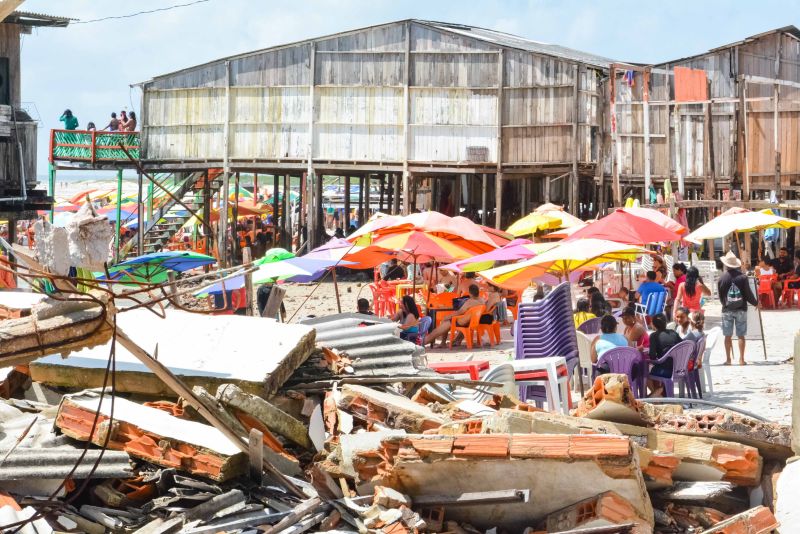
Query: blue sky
{"x":90,"y":67}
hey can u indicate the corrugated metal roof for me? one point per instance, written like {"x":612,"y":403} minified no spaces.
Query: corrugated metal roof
{"x":375,"y":349}
{"x":521,"y":43}
{"x":28,"y":18}
{"x":47,"y":463}
{"x":482,"y":34}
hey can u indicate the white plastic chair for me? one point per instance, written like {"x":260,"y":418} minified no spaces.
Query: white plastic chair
{"x":585,"y":359}
{"x":503,"y":373}
{"x":712,"y":336}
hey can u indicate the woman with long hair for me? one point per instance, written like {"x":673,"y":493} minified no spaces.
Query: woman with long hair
{"x":408,"y":317}
{"x":690,"y":292}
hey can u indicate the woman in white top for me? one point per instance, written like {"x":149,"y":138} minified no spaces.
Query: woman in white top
{"x":764,"y":269}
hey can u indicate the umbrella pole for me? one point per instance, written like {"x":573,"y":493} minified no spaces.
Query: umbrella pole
{"x":336,"y":289}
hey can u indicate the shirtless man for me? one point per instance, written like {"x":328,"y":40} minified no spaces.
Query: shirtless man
{"x":444,"y":327}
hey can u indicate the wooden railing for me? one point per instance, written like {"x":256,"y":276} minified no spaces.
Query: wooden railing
{"x":92,"y":146}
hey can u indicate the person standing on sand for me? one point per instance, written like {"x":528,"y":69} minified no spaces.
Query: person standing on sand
{"x":734,"y":295}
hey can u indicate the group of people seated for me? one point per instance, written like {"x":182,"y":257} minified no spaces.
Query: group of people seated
{"x":634,"y":333}
{"x":126,"y":122}
{"x":782,"y":269}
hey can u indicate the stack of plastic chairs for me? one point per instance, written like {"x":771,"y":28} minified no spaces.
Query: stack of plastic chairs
{"x":546,"y":328}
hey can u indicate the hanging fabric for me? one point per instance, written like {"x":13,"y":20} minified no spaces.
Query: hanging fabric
{"x":630,"y":78}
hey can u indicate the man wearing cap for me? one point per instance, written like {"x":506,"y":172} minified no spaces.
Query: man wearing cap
{"x":734,"y":294}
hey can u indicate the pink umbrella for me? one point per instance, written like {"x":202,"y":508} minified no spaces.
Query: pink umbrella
{"x":515,"y":250}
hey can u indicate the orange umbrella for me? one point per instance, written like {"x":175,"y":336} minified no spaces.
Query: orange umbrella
{"x":420,"y":247}
{"x":499,"y":237}
{"x":624,"y":227}
{"x":459,"y":231}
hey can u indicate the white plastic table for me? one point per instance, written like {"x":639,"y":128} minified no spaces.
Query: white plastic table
{"x":556,"y":387}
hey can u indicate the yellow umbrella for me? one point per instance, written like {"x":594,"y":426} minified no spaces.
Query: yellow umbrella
{"x":739,"y":220}
{"x":545,"y":217}
{"x":561,"y":260}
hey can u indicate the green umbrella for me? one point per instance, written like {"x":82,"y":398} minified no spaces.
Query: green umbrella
{"x":154,"y":268}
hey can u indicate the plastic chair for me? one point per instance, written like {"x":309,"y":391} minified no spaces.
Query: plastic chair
{"x":680,"y":355}
{"x":513,"y":308}
{"x":653,"y":306}
{"x":503,"y":374}
{"x":493,"y":329}
{"x":469,"y":331}
{"x":711,"y":339}
{"x":440,"y":301}
{"x":590,"y":326}
{"x":695,"y":386}
{"x":584,"y":358}
{"x":790,"y":293}
{"x":765,"y":289}
{"x":622,"y":360}
{"x":423,"y":327}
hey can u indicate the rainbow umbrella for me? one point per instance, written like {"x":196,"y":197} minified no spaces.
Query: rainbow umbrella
{"x":341,"y":249}
{"x":624,"y":227}
{"x":154,"y":267}
{"x":518,"y":249}
{"x":545,"y":217}
{"x":562,"y":260}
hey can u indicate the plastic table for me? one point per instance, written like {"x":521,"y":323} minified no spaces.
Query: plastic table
{"x":553,"y":370}
{"x":473,"y":367}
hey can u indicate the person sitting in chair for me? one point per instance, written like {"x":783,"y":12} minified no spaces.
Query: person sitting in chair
{"x":408,"y":317}
{"x":607,"y":340}
{"x":363,"y":307}
{"x":458,"y":316}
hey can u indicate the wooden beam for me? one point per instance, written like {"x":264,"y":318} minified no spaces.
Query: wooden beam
{"x":222,"y":230}
{"x":287,"y":213}
{"x":574,"y":200}
{"x":484,"y":196}
{"x":710,"y":183}
{"x":312,"y":223}
{"x":395,"y":193}
{"x":498,"y":181}
{"x":406,"y":122}
{"x":646,"y":113}
{"x":346,"y":219}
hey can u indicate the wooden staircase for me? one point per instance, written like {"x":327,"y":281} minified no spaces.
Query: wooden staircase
{"x":171,"y":216}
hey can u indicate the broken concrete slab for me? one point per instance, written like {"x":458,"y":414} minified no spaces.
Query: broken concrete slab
{"x":394,"y":411}
{"x":606,"y":509}
{"x":549,"y":466}
{"x":610,"y":399}
{"x":275,"y":419}
{"x":699,"y":458}
{"x":757,"y":520}
{"x":722,"y":496}
{"x":57,"y":326}
{"x":14,"y":304}
{"x":773,"y":440}
{"x":152,"y":435}
{"x":190,"y":345}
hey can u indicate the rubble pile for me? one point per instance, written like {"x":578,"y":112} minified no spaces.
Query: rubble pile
{"x":311,"y":438}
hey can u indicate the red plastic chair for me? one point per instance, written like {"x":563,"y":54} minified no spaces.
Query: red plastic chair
{"x":469,"y":331}
{"x":765,"y":289}
{"x":790,"y":293}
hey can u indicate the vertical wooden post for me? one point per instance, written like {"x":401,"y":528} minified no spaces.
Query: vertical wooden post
{"x":222,"y":246}
{"x":523,"y":197}
{"x":276,"y":209}
{"x":708,"y":145}
{"x":119,"y":215}
{"x":390,"y":193}
{"x":574,"y":199}
{"x":616,"y":149}
{"x":498,"y":177}
{"x":776,"y":141}
{"x":396,"y":193}
{"x":301,"y":218}
{"x":139,"y":215}
{"x":360,"y":201}
{"x":288,"y":212}
{"x":456,"y":192}
{"x":367,"y":181}
{"x":382,"y":184}
{"x":547,"y":189}
{"x":311,"y":198}
{"x":346,"y":220}
{"x":678,"y":149}
{"x":406,"y":128}
{"x":250,"y":308}
{"x":646,"y":113}
{"x":484,"y":195}
{"x":206,"y":215}
{"x":319,"y":215}
{"x":236,"y":245}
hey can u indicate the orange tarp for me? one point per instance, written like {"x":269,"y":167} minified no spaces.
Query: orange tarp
{"x":691,"y":85}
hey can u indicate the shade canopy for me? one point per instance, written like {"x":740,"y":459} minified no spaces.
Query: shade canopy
{"x":739,"y":220}
{"x":657,"y":217}
{"x":459,"y":231}
{"x":419,"y":247}
{"x":545,"y":217}
{"x":359,"y":257}
{"x":516,"y":250}
{"x":562,"y":260}
{"x":624,"y":227}
{"x":154,"y":267}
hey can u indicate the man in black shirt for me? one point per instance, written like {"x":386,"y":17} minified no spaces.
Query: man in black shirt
{"x":734,"y":294}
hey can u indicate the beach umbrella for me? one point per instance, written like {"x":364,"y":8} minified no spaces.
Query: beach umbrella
{"x":566,"y":232}
{"x":624,"y":227}
{"x":516,"y":250}
{"x":154,"y":267}
{"x":342,"y":249}
{"x":459,"y":231}
{"x":545,"y":217}
{"x":657,"y":217}
{"x":739,"y":220}
{"x":565,"y":258}
{"x":499,"y":237}
{"x":421,"y":247}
